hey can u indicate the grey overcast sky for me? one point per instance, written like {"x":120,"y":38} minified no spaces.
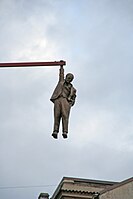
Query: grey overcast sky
{"x":95,"y":38}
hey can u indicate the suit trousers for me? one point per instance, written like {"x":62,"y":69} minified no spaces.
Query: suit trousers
{"x":61,"y":111}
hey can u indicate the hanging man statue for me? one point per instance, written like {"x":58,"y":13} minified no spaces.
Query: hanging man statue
{"x":63,"y":98}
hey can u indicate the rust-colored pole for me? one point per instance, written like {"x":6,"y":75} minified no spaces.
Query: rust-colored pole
{"x":32,"y":64}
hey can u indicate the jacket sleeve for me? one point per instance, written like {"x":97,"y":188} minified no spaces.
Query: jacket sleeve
{"x":72,"y":96}
{"x":61,"y":74}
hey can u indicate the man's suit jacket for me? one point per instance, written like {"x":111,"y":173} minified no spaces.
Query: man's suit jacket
{"x":58,"y":90}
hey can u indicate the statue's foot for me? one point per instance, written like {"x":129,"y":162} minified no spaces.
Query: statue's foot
{"x":55,"y":134}
{"x":64,"y":134}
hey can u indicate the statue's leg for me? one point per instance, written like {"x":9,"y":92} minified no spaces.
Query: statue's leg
{"x":65,"y":116}
{"x":57,"y":115}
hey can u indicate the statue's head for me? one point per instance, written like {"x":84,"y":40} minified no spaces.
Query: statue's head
{"x":69,"y":77}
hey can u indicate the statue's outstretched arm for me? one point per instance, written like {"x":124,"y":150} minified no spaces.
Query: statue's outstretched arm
{"x":61,"y":73}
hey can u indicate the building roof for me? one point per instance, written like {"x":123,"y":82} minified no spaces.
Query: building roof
{"x":81,"y":186}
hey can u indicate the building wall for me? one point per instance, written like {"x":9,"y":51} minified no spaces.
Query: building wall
{"x":122,"y":192}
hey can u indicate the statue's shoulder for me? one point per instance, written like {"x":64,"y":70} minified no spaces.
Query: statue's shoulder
{"x":74,"y":89}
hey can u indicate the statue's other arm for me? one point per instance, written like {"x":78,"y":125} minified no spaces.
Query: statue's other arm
{"x":61,"y":74}
{"x":72,"y":96}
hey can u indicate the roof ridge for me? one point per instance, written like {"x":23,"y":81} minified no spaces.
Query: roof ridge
{"x":90,"y":180}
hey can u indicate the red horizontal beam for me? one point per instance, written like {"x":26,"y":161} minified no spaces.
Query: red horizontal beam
{"x":30,"y":64}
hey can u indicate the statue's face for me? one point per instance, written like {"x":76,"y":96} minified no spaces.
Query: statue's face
{"x":69,"y":78}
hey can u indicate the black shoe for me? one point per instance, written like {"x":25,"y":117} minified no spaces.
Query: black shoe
{"x":64,"y":134}
{"x":55,"y":134}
